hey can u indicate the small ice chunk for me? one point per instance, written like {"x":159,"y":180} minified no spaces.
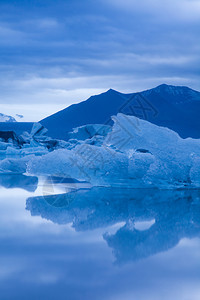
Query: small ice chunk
{"x":38,"y":130}
{"x":88,"y":131}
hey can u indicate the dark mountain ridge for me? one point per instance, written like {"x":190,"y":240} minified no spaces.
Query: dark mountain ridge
{"x":175,"y":107}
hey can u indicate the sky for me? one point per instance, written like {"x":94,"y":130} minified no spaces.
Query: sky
{"x":57,"y":52}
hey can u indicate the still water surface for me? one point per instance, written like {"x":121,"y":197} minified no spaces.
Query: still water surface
{"x":99,"y":243}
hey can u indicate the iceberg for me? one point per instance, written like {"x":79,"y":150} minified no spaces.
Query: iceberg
{"x":89,"y":131}
{"x":37,"y":134}
{"x":9,"y":137}
{"x":97,"y":165}
{"x":174,"y":155}
{"x":195,"y":171}
{"x":38,"y":130}
{"x":14,"y":166}
{"x":91,"y":134}
{"x":4,"y":146}
{"x":135,"y":153}
{"x":10,"y":151}
{"x":131,"y":133}
{"x":36,"y":142}
{"x":132,"y":153}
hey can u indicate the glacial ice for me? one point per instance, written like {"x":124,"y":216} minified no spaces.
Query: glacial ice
{"x":4,"y":146}
{"x":174,"y":155}
{"x":135,"y":153}
{"x":38,"y":130}
{"x":89,"y":131}
{"x":36,"y":142}
{"x":14,"y":166}
{"x":26,"y":151}
{"x":97,"y":165}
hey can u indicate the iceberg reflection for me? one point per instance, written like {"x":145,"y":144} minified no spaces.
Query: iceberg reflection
{"x":10,"y":181}
{"x":175,"y":216}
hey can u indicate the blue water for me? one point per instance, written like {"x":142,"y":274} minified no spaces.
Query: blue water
{"x":99,"y":243}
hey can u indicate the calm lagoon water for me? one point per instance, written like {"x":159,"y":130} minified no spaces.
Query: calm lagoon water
{"x":99,"y":243}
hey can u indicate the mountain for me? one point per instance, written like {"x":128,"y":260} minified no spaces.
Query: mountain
{"x":175,"y":107}
{"x":5,"y":118}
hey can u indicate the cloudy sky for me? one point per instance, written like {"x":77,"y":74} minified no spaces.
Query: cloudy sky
{"x":58,"y":52}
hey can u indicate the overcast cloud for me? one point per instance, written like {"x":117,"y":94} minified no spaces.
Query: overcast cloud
{"x":54,"y":53}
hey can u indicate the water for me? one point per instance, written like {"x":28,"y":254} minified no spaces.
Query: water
{"x":99,"y":243}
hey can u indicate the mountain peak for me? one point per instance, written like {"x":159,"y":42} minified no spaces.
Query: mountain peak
{"x":111,"y":91}
{"x":173,"y":90}
{"x":178,"y":109}
{"x":170,"y":88}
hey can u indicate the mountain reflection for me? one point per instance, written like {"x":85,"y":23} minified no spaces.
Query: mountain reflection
{"x":10,"y":181}
{"x":176,"y":215}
